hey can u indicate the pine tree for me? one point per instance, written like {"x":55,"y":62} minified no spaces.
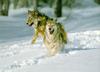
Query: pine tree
{"x":58,"y":8}
{"x":97,"y":1}
{"x":4,"y":7}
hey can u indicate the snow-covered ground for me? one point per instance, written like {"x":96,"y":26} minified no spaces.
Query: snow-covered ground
{"x":82,"y":53}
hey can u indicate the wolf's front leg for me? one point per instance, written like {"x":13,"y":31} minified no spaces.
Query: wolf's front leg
{"x":35,"y":37}
{"x":52,"y":51}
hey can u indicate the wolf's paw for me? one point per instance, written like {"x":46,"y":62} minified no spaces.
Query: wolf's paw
{"x":50,"y":54}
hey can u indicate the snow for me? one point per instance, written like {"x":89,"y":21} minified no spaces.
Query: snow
{"x":81,"y":54}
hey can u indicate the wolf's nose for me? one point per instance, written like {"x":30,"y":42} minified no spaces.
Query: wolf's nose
{"x":26,"y":23}
{"x":49,"y":28}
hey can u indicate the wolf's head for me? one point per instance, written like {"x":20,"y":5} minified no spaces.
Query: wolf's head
{"x":32,"y":15}
{"x":51,"y":27}
{"x":36,"y":18}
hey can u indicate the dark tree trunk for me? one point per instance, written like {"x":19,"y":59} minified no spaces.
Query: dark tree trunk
{"x":1,"y":5}
{"x":4,"y":7}
{"x":97,"y":1}
{"x":58,"y":8}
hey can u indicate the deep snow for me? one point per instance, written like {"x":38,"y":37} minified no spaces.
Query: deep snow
{"x":82,"y":53}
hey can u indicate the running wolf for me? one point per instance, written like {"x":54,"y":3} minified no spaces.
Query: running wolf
{"x":55,"y":37}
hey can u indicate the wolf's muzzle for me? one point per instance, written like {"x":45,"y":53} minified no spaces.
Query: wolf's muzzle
{"x":30,"y":24}
{"x":51,"y":30}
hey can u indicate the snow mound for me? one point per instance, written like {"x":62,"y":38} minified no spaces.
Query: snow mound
{"x":87,"y":39}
